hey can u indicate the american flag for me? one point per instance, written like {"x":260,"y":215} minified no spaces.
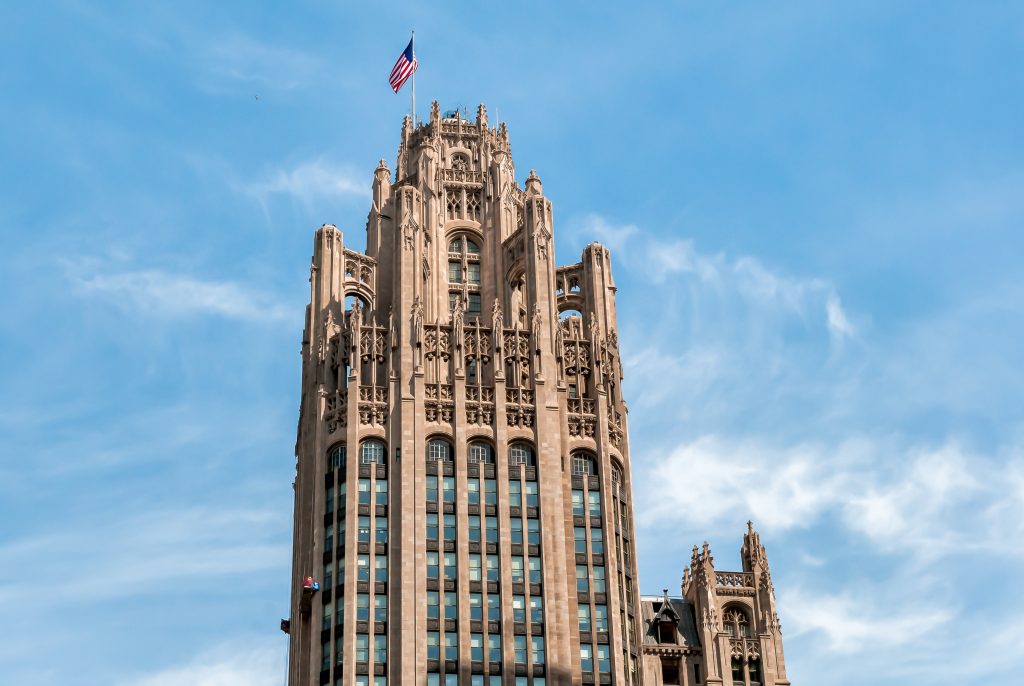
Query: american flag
{"x":404,"y":68}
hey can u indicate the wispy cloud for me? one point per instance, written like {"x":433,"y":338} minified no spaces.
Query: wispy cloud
{"x":921,"y":501}
{"x":254,"y":662}
{"x":858,"y":624}
{"x":309,"y":181}
{"x":143,"y":552}
{"x":162,"y":293}
{"x":745,"y":277}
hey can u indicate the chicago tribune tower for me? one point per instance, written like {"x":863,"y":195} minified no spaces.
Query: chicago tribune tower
{"x":463,"y":505}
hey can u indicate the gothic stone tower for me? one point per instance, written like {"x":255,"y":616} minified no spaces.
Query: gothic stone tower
{"x":462,"y":497}
{"x":723,"y":631}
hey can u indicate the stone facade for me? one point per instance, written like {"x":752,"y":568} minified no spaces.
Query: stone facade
{"x":463,"y":509}
{"x":724,"y":629}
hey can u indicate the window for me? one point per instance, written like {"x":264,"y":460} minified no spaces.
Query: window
{"x":448,"y":489}
{"x":476,"y":607}
{"x":536,"y":575}
{"x":364,"y":529}
{"x":494,"y":649}
{"x":372,"y":452}
{"x":329,"y":537}
{"x":594,"y":503}
{"x":573,"y":391}
{"x":449,"y":527}
{"x":432,"y":564}
{"x":432,"y":529}
{"x":490,"y":492}
{"x":325,"y":656}
{"x":439,"y":450}
{"x":493,"y":571}
{"x":597,"y":541}
{"x":599,"y":581}
{"x":533,"y":531}
{"x":586,"y":657}
{"x":330,"y":499}
{"x":480,"y":452}
{"x":451,"y":606}
{"x":454,"y":271}
{"x":737,"y":671}
{"x":364,"y":491}
{"x":583,"y":464}
{"x":472,"y":248}
{"x":328,"y":575}
{"x":451,"y":647}
{"x":325,"y":622}
{"x":450,"y":566}
{"x":579,"y":535}
{"x":601,"y":618}
{"x":517,"y":568}
{"x":519,"y":645}
{"x":476,"y":648}
{"x":431,"y":489}
{"x":537,"y":649}
{"x":380,"y":648}
{"x":577,"y":503}
{"x":516,"y":530}
{"x":735,"y":622}
{"x":362,"y":648}
{"x":363,"y":567}
{"x":493,"y":607}
{"x":604,"y":663}
{"x":455,"y":245}
{"x":582,"y":579}
{"x":380,"y":525}
{"x":518,"y":608}
{"x":584,"y":618}
{"x":336,"y":460}
{"x":474,"y":273}
{"x":473,"y":304}
{"x":380,"y":608}
{"x":520,"y":454}
{"x":433,"y":605}
{"x":433,"y":645}
{"x":381,"y":492}
{"x":473,"y":491}
{"x":380,"y":569}
{"x":754,"y":669}
{"x":532,"y":496}
{"x":515,"y":494}
{"x":475,"y":567}
{"x":537,"y":609}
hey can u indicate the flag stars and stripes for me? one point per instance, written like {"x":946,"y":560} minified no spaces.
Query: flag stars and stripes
{"x":403,"y":69}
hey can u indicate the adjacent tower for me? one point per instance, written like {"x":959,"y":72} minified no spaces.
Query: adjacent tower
{"x":462,"y":499}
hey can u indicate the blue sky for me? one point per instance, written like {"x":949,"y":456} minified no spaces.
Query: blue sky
{"x":815,"y":211}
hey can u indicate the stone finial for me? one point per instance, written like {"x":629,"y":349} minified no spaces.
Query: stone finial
{"x":481,"y":116}
{"x":435,"y":112}
{"x":533,"y":185}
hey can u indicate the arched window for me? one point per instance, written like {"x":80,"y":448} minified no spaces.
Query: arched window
{"x":336,"y":458}
{"x":372,"y":452}
{"x":480,"y":452}
{"x":736,"y":622}
{"x":439,"y":450}
{"x":583,"y":464}
{"x":464,"y":275}
{"x":520,"y":454}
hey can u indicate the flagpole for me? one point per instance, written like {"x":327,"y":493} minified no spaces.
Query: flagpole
{"x":413,"y":43}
